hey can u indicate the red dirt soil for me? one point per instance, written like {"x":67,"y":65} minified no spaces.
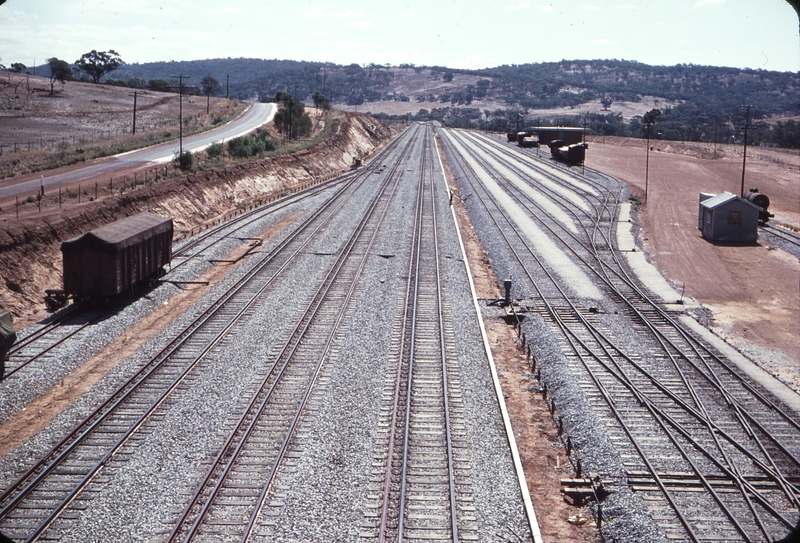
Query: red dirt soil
{"x":752,"y":290}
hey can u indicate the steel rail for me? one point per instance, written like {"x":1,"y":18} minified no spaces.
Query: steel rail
{"x":68,"y":313}
{"x":785,"y":235}
{"x":759,"y":445}
{"x":565,"y":330}
{"x":334,"y":329}
{"x":426,"y":165}
{"x":255,"y":214}
{"x":137,"y":379}
{"x":662,"y":338}
{"x":50,"y":347}
{"x":286,"y":353}
{"x":71,"y":442}
{"x":407,"y":304}
{"x":412,"y":340}
{"x":658,"y":334}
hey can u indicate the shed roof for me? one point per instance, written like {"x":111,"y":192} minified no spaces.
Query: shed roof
{"x":113,"y":237}
{"x":723,"y":198}
{"x":561,"y":128}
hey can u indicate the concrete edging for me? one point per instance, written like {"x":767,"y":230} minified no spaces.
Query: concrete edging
{"x":526,"y":497}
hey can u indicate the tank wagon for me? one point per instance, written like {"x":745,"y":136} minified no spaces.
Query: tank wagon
{"x":762,"y":201}
{"x":117,"y":257}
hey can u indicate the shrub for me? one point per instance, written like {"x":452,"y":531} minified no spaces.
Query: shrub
{"x":247,"y":146}
{"x":215,"y":150}
{"x":186,"y":160}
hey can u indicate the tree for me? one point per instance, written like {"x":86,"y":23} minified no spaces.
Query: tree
{"x":321,"y":101}
{"x":18,"y":67}
{"x":97,"y":64}
{"x":161,"y":85}
{"x":448,"y":76}
{"x":60,"y":70}
{"x":292,"y":118}
{"x":650,"y":116}
{"x":607,"y":100}
{"x":210,"y":86}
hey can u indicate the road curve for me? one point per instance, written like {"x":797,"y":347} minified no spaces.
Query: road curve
{"x":255,"y":116}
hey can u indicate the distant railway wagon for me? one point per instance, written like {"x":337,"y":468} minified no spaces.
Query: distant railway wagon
{"x":117,"y":257}
{"x":571,"y":154}
{"x":568,"y":135}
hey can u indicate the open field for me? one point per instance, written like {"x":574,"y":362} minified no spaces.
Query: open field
{"x":84,"y":120}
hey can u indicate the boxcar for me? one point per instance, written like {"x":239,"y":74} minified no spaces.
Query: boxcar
{"x":117,"y":257}
{"x":7,"y":338}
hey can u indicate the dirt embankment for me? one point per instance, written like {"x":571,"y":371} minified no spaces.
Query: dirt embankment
{"x":30,"y":256}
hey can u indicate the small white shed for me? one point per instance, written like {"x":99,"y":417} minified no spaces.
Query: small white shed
{"x":727,"y":217}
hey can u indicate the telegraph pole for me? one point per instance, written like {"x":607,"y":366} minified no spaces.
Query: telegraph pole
{"x":647,"y":163}
{"x":744,"y":153}
{"x":134,"y":112}
{"x":180,"y":79}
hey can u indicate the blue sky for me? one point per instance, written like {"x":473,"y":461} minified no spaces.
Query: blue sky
{"x":458,"y":34}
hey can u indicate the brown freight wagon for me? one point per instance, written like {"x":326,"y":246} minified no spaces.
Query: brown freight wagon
{"x":117,"y":257}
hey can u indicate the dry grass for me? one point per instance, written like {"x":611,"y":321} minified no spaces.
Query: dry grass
{"x":85,"y":121}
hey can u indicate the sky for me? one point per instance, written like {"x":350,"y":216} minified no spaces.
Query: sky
{"x":466,"y":34}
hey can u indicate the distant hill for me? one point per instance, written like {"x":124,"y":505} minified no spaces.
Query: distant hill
{"x":697,"y":102}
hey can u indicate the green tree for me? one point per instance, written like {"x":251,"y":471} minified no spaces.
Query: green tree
{"x":292,"y":118}
{"x":607,"y":100}
{"x":210,"y":86}
{"x":320,"y":101}
{"x":650,"y":116}
{"x":97,"y":64}
{"x":60,"y":70}
{"x":448,"y":76}
{"x":158,"y":84}
{"x":18,"y":67}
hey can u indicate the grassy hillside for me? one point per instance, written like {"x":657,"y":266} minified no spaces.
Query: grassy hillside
{"x":697,"y":102}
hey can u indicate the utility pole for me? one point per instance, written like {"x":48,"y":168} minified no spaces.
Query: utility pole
{"x":180,"y":79}
{"x":744,"y":153}
{"x":290,"y":117}
{"x":583,"y":164}
{"x":134,"y":111}
{"x":716,"y":123}
{"x":647,"y":163}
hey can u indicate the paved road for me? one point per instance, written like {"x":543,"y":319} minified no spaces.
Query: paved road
{"x":256,"y":115}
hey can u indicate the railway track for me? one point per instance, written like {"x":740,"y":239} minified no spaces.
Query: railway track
{"x":41,"y":344}
{"x":782,"y":234}
{"x":315,"y":390}
{"x":41,"y":503}
{"x":677,"y":411}
{"x":232,"y":496}
{"x":419,"y":477}
{"x":69,"y":323}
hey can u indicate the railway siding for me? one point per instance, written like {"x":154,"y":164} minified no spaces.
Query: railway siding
{"x":638,"y":391}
